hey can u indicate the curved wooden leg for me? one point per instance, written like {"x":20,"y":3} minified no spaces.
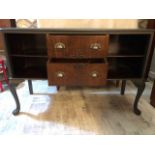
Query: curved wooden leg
{"x":30,"y":86}
{"x":141,"y":87}
{"x":14,"y":93}
{"x":123,"y":87}
{"x":152,"y":97}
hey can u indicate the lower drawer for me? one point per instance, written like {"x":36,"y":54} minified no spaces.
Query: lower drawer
{"x":77,"y":74}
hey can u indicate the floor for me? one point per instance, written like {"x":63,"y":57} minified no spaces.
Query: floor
{"x":76,"y":111}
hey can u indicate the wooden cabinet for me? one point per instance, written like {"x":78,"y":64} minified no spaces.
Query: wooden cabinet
{"x":79,"y":57}
{"x":126,"y":51}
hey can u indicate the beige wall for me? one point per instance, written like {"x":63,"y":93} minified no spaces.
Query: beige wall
{"x":88,"y":23}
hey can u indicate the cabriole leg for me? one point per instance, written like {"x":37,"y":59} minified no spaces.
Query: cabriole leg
{"x":141,"y":87}
{"x":14,"y":93}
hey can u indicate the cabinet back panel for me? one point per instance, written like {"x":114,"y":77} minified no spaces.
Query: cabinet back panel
{"x":25,"y":67}
{"x":26,"y":44}
{"x":132,"y":44}
{"x":125,"y":68}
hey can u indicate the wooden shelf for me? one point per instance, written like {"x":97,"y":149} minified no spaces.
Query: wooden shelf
{"x":31,"y":56}
{"x":125,"y":56}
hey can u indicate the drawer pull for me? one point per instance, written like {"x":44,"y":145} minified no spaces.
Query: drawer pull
{"x":94,"y":74}
{"x":95,"y":46}
{"x":60,"y":74}
{"x":59,"y":45}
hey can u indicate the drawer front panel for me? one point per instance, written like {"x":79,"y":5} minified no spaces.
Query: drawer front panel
{"x":77,"y":46}
{"x":77,"y":74}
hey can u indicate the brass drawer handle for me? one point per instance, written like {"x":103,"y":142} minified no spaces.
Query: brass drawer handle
{"x":95,"y":46}
{"x":60,"y":74}
{"x":59,"y":45}
{"x":94,"y":74}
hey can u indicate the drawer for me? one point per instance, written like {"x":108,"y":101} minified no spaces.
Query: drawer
{"x":77,"y":74}
{"x":77,"y":46}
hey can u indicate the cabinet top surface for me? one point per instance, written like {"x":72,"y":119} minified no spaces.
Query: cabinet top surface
{"x":75,"y":30}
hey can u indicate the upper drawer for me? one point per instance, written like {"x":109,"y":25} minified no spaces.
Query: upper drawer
{"x":77,"y":46}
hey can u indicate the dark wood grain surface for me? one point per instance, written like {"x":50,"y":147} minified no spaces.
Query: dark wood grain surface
{"x":78,"y":46}
{"x":77,"y":74}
